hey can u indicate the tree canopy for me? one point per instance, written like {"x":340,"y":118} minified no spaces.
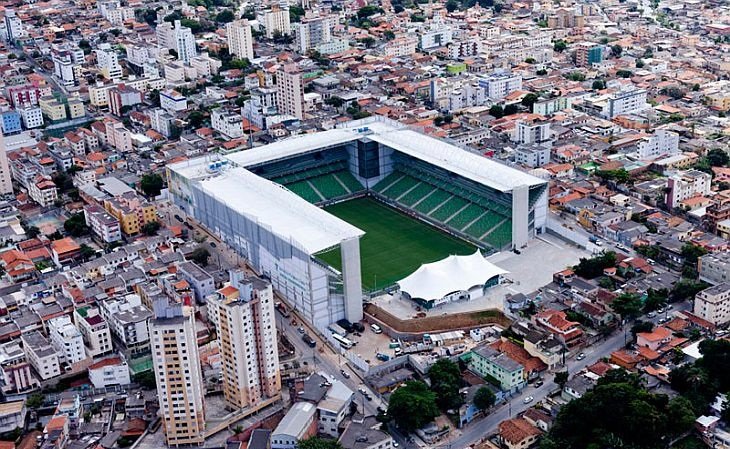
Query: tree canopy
{"x":318,"y":443}
{"x":628,"y":305}
{"x":151,"y":184}
{"x":593,"y":267}
{"x":717,"y":157}
{"x":445,"y":382}
{"x":484,"y":398}
{"x":76,"y":225}
{"x":200,"y":256}
{"x":412,"y":406}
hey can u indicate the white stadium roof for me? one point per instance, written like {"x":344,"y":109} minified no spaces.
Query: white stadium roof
{"x":284,"y":212}
{"x":395,"y":135}
{"x":455,"y":273}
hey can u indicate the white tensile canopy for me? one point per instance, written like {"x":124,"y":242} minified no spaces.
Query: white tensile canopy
{"x":454,"y":273}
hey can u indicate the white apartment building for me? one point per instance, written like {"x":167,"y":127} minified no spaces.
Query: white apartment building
{"x":41,"y":355}
{"x":99,"y":94}
{"x":205,"y":66}
{"x":184,"y":43}
{"x":662,"y":142}
{"x":118,"y":136}
{"x":532,"y":155}
{"x":67,"y":65}
{"x":713,"y":304}
{"x":528,"y":132}
{"x":228,"y":123}
{"x":6,"y":182}
{"x":240,"y":40}
{"x":243,"y":312}
{"x":165,"y":36}
{"x":161,"y":121}
{"x":624,"y":102}
{"x":15,"y":372}
{"x":176,"y":363}
{"x":400,"y":47}
{"x":32,"y":117}
{"x":12,"y":28}
{"x":336,"y":45}
{"x":173,"y":101}
{"x":334,"y":408}
{"x":686,"y":184}
{"x":94,"y":330}
{"x":128,"y":321}
{"x":107,"y":61}
{"x":275,"y":21}
{"x":714,"y":268}
{"x":43,"y":190}
{"x":109,"y":373}
{"x":290,"y":92}
{"x":313,"y":31}
{"x":137,"y":54}
{"x":500,"y":84}
{"x":437,"y":34}
{"x":67,"y":339}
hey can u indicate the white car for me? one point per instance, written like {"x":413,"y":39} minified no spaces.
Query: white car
{"x":528,"y":399}
{"x":581,"y":356}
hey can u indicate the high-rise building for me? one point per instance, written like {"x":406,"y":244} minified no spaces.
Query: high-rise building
{"x":176,"y":363}
{"x":240,"y":40}
{"x":184,"y":43}
{"x":243,"y":312}
{"x":313,"y":31}
{"x":12,"y":28}
{"x":290,"y":92}
{"x":108,"y":61}
{"x":587,"y":53}
{"x":6,"y":184}
{"x":275,"y":21}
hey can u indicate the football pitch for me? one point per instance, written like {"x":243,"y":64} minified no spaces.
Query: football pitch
{"x":394,"y":244}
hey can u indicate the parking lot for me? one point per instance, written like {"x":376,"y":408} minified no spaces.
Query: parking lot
{"x":369,"y":344}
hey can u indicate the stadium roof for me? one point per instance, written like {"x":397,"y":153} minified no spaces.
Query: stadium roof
{"x":455,"y":273}
{"x":274,"y":206}
{"x":395,"y":135}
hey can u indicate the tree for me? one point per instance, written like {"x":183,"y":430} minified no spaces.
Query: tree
{"x":151,"y":228}
{"x":438,"y":121}
{"x":717,"y":157}
{"x":86,"y":252}
{"x":445,"y":382}
{"x":241,"y":64}
{"x":225,"y":16}
{"x":617,"y":50}
{"x":692,"y":253}
{"x":367,"y":11}
{"x":640,"y":63}
{"x":655,"y":299}
{"x":593,"y":267}
{"x":200,"y":256}
{"x":496,"y":111}
{"x":624,"y":73}
{"x":146,"y":379}
{"x":628,"y":305}
{"x":561,"y":378}
{"x":529,"y":99}
{"x":155,"y":98}
{"x":560,"y":45}
{"x":576,"y":76}
{"x":318,"y":443}
{"x":34,"y":401}
{"x":599,"y":85}
{"x":151,"y":184}
{"x":334,"y":101}
{"x":195,"y":119}
{"x":484,"y":398}
{"x":296,"y":13}
{"x":32,"y":232}
{"x":76,"y":225}
{"x":368,"y":41}
{"x":452,"y":5}
{"x":412,"y":406}
{"x":640,"y":327}
{"x":511,"y":109}
{"x":674,"y":91}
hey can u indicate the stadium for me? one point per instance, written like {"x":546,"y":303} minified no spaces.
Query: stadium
{"x":331,"y":214}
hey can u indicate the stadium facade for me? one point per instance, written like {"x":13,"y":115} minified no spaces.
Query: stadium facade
{"x":266,"y":203}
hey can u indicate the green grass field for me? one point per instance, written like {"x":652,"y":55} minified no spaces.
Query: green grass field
{"x":394,"y":244}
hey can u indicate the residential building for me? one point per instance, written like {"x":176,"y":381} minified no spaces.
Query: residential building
{"x":118,"y":136}
{"x":67,"y":340}
{"x":517,"y":433}
{"x":178,"y":373}
{"x":243,"y":312}
{"x":365,"y":433}
{"x":109,"y":372}
{"x":184,"y":43}
{"x":588,"y":53}
{"x":334,"y":408}
{"x":11,"y":122}
{"x":132,"y":212}
{"x":290,"y":92}
{"x":686,"y":184}
{"x":276,"y":21}
{"x":227,"y":122}
{"x":12,"y":29}
{"x":400,"y":47}
{"x":32,"y":117}
{"x":173,"y":101}
{"x":12,"y":416}
{"x":41,"y":355}
{"x":67,"y":65}
{"x":532,"y":131}
{"x":532,"y":155}
{"x":95,"y":331}
{"x":240,"y":40}
{"x":623,"y":102}
{"x":53,"y":109}
{"x":555,"y":322}
{"x":298,"y":424}
{"x":43,"y":191}
{"x":6,"y":182}
{"x":486,"y":361}
{"x":436,"y":34}
{"x":551,"y":105}
{"x":312,"y":31}
{"x":200,"y":281}
{"x":661,"y":143}
{"x":714,"y":268}
{"x":64,"y":251}
{"x":500,"y":84}
{"x":107,"y":60}
{"x":713,"y":304}
{"x":15,"y":371}
{"x":76,"y":108}
{"x":102,"y":224}
{"x":123,"y":97}
{"x":128,"y":321}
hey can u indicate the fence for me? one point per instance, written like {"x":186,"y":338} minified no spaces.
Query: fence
{"x":558,"y":228}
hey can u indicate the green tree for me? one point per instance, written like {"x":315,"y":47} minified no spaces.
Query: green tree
{"x":76,"y":225}
{"x":241,"y":64}
{"x":368,"y":11}
{"x":560,"y":45}
{"x":655,"y":299}
{"x":561,"y":378}
{"x":200,"y":256}
{"x":318,"y":443}
{"x":628,"y":305}
{"x":496,"y":111}
{"x":599,"y":85}
{"x":334,"y":101}
{"x":624,"y":73}
{"x":529,"y":99}
{"x":641,"y":326}
{"x":640,"y":63}
{"x":452,"y":5}
{"x":576,"y":76}
{"x":146,"y":379}
{"x":511,"y":109}
{"x":195,"y":119}
{"x":151,"y":184}
{"x":412,"y":406}
{"x":225,"y":16}
{"x":151,"y":228}
{"x":445,"y":379}
{"x":616,"y":50}
{"x":34,"y":401}
{"x":594,"y":266}
{"x":86,"y":252}
{"x":296,"y":13}
{"x":484,"y":398}
{"x":32,"y":232}
{"x":717,"y":157}
{"x":691,"y":253}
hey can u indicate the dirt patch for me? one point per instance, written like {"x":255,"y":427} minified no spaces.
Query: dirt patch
{"x":443,"y":323}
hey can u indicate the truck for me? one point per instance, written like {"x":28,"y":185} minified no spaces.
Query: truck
{"x":346,"y":325}
{"x":281,"y":307}
{"x":337,"y":330}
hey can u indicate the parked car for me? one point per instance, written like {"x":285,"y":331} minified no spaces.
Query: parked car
{"x":538,"y":383}
{"x":528,"y":399}
{"x":580,"y":356}
{"x":345,"y":374}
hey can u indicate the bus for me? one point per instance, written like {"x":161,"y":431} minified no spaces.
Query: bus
{"x":345,"y":343}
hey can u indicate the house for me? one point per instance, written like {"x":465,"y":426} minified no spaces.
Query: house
{"x":538,"y":418}
{"x":490,"y":363}
{"x":17,"y":265}
{"x":654,"y":339}
{"x":64,"y":251}
{"x":12,"y":416}
{"x":109,"y":372}
{"x":364,"y":433}
{"x":517,"y":433}
{"x":576,"y":387}
{"x":555,"y":322}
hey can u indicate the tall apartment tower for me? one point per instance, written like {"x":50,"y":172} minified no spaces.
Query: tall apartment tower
{"x":290,"y":92}
{"x":276,"y":20}
{"x":184,"y":43}
{"x":176,"y":363}
{"x":6,"y":184}
{"x":243,"y":313}
{"x":108,"y":61}
{"x":240,"y":40}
